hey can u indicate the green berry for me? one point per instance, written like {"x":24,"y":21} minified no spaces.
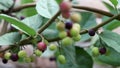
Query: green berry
{"x":62,"y":34}
{"x":74,"y":31}
{"x":75,"y":17}
{"x":77,"y":26}
{"x":61,"y":59}
{"x":7,"y":55}
{"x":52,"y":47}
{"x":22,"y":54}
{"x":77,"y":38}
{"x":67,"y":41}
{"x":38,"y":52}
{"x":95,"y":51}
{"x":27,"y":59}
{"x":60,"y":26}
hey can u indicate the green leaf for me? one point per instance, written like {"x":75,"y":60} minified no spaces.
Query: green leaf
{"x":69,"y":53}
{"x":114,"y":2}
{"x":5,"y":4}
{"x":59,"y":1}
{"x":84,"y":60}
{"x":47,"y":8}
{"x":111,"y":39}
{"x":34,"y":21}
{"x":19,"y":25}
{"x":9,"y":38}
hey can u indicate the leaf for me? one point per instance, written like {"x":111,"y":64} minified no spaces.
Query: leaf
{"x":34,"y":21}
{"x":9,"y":38}
{"x":84,"y":60}
{"x":114,"y":2}
{"x":19,"y":25}
{"x":59,"y":1}
{"x":5,"y":4}
{"x":69,"y":53}
{"x":47,"y":8}
{"x":111,"y":39}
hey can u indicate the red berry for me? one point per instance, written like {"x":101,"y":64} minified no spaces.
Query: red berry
{"x":68,"y":25}
{"x":65,"y":6}
{"x":66,"y":15}
{"x":14,"y":57}
{"x":4,"y":61}
{"x":102,"y":50}
{"x":41,"y":46}
{"x":91,"y":32}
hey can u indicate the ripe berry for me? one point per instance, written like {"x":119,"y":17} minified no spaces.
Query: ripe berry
{"x":52,"y":59}
{"x":22,"y":17}
{"x":68,"y":25}
{"x":60,"y":26}
{"x":66,"y":15}
{"x":61,"y":59}
{"x":52,"y":47}
{"x":74,"y":32}
{"x":67,"y":41}
{"x":91,"y":32}
{"x":102,"y":50}
{"x":62,"y":34}
{"x":38,"y":52}
{"x":95,"y":51}
{"x":75,"y":17}
{"x":65,"y":6}
{"x":14,"y":57}
{"x":22,"y":54}
{"x":77,"y":38}
{"x":7,"y":55}
{"x":4,"y":60}
{"x":41,"y":46}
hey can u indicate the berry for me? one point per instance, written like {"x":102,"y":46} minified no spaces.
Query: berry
{"x":60,"y":26}
{"x":41,"y":46}
{"x":77,"y":26}
{"x":27,"y":59}
{"x":38,"y":52}
{"x":7,"y":55}
{"x":61,"y":59}
{"x":52,"y":47}
{"x":22,"y":17}
{"x":68,"y":25}
{"x":67,"y":41}
{"x":14,"y":57}
{"x":95,"y":51}
{"x":91,"y":32}
{"x":22,"y":54}
{"x":74,"y":32}
{"x":76,"y":38}
{"x":52,"y":59}
{"x":75,"y":17}
{"x":102,"y":50}
{"x":65,"y":6}
{"x":62,"y":34}
{"x":66,"y":15}
{"x":68,"y":33}
{"x":4,"y":61}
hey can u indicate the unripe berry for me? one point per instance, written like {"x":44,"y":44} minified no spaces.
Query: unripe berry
{"x":66,"y":15}
{"x":60,"y":26}
{"x":68,"y":25}
{"x":4,"y":60}
{"x":38,"y":52}
{"x":41,"y":46}
{"x":91,"y":32}
{"x":14,"y":57}
{"x":7,"y":55}
{"x":22,"y":54}
{"x":77,"y":26}
{"x":65,"y":6}
{"x":52,"y":47}
{"x":62,"y":34}
{"x":27,"y":59}
{"x":102,"y":50}
{"x":67,"y":41}
{"x":61,"y":59}
{"x":77,"y":38}
{"x":95,"y":51}
{"x":74,"y":32}
{"x":75,"y":17}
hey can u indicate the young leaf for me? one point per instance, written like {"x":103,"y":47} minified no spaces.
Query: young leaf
{"x":19,"y":25}
{"x":47,"y":8}
{"x":9,"y":38}
{"x":114,"y":2}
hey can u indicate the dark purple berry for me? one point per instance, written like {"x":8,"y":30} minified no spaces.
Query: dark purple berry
{"x":52,"y":59}
{"x":14,"y":57}
{"x":68,"y":25}
{"x":102,"y":50}
{"x":4,"y":61}
{"x":12,"y":28}
{"x":91,"y":32}
{"x":22,"y":17}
